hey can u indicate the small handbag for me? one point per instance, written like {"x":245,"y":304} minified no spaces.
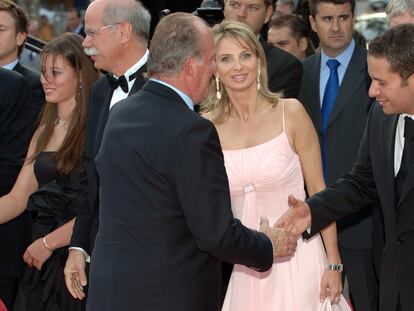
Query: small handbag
{"x":2,"y":306}
{"x":342,"y":305}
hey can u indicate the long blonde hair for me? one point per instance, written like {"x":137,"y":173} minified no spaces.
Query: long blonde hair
{"x":68,"y":156}
{"x":218,"y":110}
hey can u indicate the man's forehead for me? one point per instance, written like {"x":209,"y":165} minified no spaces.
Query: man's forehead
{"x":249,"y":2}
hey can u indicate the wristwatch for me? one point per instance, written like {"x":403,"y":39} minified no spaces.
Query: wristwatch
{"x":335,"y":267}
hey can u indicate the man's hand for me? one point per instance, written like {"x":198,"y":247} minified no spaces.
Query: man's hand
{"x":297,"y":219}
{"x":75,"y":275}
{"x":284,"y":242}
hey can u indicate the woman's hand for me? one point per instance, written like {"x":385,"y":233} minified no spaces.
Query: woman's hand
{"x":36,"y":254}
{"x":331,"y":286}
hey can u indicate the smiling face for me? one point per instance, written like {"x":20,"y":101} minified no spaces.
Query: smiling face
{"x":59,"y":79}
{"x":334,"y":24}
{"x":394,"y":94}
{"x":237,"y":65}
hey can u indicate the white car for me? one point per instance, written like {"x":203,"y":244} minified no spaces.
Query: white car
{"x":371,"y":25}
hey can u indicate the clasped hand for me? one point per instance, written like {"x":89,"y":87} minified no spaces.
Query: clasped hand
{"x":284,"y":242}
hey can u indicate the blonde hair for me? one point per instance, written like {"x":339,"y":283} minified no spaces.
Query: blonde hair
{"x":218,"y":110}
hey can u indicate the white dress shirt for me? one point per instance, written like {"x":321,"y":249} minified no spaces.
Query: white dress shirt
{"x":118,"y":93}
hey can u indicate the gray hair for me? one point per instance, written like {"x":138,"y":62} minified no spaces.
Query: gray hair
{"x":132,"y":12}
{"x":399,"y":7}
{"x":175,"y":39}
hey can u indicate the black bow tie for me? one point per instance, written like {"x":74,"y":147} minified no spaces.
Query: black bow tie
{"x":121,"y":82}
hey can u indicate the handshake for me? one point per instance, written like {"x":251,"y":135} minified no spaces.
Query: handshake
{"x":285,"y":232}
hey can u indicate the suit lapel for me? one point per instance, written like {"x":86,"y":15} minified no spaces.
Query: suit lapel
{"x":408,"y":184}
{"x":311,"y":90}
{"x":102,"y":118}
{"x":389,"y":127}
{"x":354,"y":76}
{"x":139,"y":81}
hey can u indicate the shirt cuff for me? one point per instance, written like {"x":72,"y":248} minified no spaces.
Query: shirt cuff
{"x":87,"y":257}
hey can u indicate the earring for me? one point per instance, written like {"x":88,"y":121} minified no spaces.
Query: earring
{"x":218,"y":94}
{"x":258,"y":79}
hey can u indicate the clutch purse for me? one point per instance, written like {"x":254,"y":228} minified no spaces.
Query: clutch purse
{"x":342,"y":305}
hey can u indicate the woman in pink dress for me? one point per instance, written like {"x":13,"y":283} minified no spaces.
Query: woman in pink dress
{"x":271,"y":150}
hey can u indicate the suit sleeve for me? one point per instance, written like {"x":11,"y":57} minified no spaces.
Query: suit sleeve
{"x":353,"y":192}
{"x":198,"y":170}
{"x":15,"y":127}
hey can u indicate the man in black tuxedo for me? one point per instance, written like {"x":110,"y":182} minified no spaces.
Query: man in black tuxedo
{"x":117,"y":42}
{"x":283,"y":69}
{"x":15,"y":133}
{"x":333,"y":22}
{"x":14,"y":21}
{"x":165,"y":215}
{"x":383,"y":170}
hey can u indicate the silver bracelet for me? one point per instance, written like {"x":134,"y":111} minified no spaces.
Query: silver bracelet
{"x":47,"y":246}
{"x":335,"y":267}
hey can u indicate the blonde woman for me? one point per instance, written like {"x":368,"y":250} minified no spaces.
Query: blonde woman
{"x":270,"y":148}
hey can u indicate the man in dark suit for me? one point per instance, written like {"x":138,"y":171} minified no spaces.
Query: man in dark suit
{"x":74,"y":22}
{"x":165,"y":215}
{"x":14,"y":21}
{"x":15,"y":134}
{"x":383,"y":170}
{"x":340,"y":128}
{"x":283,"y":69}
{"x":119,"y":47}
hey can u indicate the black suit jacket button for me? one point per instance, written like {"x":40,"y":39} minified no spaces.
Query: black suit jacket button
{"x":400,"y":241}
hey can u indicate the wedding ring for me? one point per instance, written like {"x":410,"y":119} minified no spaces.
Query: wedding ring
{"x":338,"y":298}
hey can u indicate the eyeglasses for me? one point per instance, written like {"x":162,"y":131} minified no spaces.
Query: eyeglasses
{"x":94,"y":32}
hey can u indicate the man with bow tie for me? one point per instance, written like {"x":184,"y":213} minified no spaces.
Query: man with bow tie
{"x":117,"y":34}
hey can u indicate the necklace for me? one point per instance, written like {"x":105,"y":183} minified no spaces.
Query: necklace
{"x":60,"y":122}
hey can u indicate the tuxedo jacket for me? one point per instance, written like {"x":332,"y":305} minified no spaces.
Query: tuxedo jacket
{"x":165,"y":215}
{"x":15,"y":134}
{"x":38,"y":95}
{"x":284,"y":70}
{"x":345,"y":128}
{"x":86,"y":223}
{"x":371,"y":178}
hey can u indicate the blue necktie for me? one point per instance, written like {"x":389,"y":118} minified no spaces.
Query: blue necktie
{"x":328,"y":102}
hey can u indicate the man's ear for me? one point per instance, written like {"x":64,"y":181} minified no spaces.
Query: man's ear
{"x":125,"y":30}
{"x":20,"y":38}
{"x":189,"y":67}
{"x":269,"y":12}
{"x":312,"y":22}
{"x":303,"y":44}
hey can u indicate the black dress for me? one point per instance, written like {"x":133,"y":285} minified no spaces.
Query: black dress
{"x":57,"y":201}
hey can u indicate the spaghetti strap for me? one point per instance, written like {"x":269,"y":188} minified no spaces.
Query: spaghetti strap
{"x":283,"y":114}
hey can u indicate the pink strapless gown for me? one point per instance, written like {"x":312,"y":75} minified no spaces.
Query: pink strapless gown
{"x":261,"y":178}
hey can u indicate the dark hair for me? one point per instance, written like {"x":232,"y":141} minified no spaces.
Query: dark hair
{"x":175,"y":39}
{"x":313,"y":5}
{"x":77,"y":11}
{"x":295,"y":23}
{"x":396,"y":45}
{"x":20,"y":18}
{"x":68,"y":156}
{"x":297,"y":26}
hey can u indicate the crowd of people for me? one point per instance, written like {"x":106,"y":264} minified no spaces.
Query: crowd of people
{"x":208,"y":167}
